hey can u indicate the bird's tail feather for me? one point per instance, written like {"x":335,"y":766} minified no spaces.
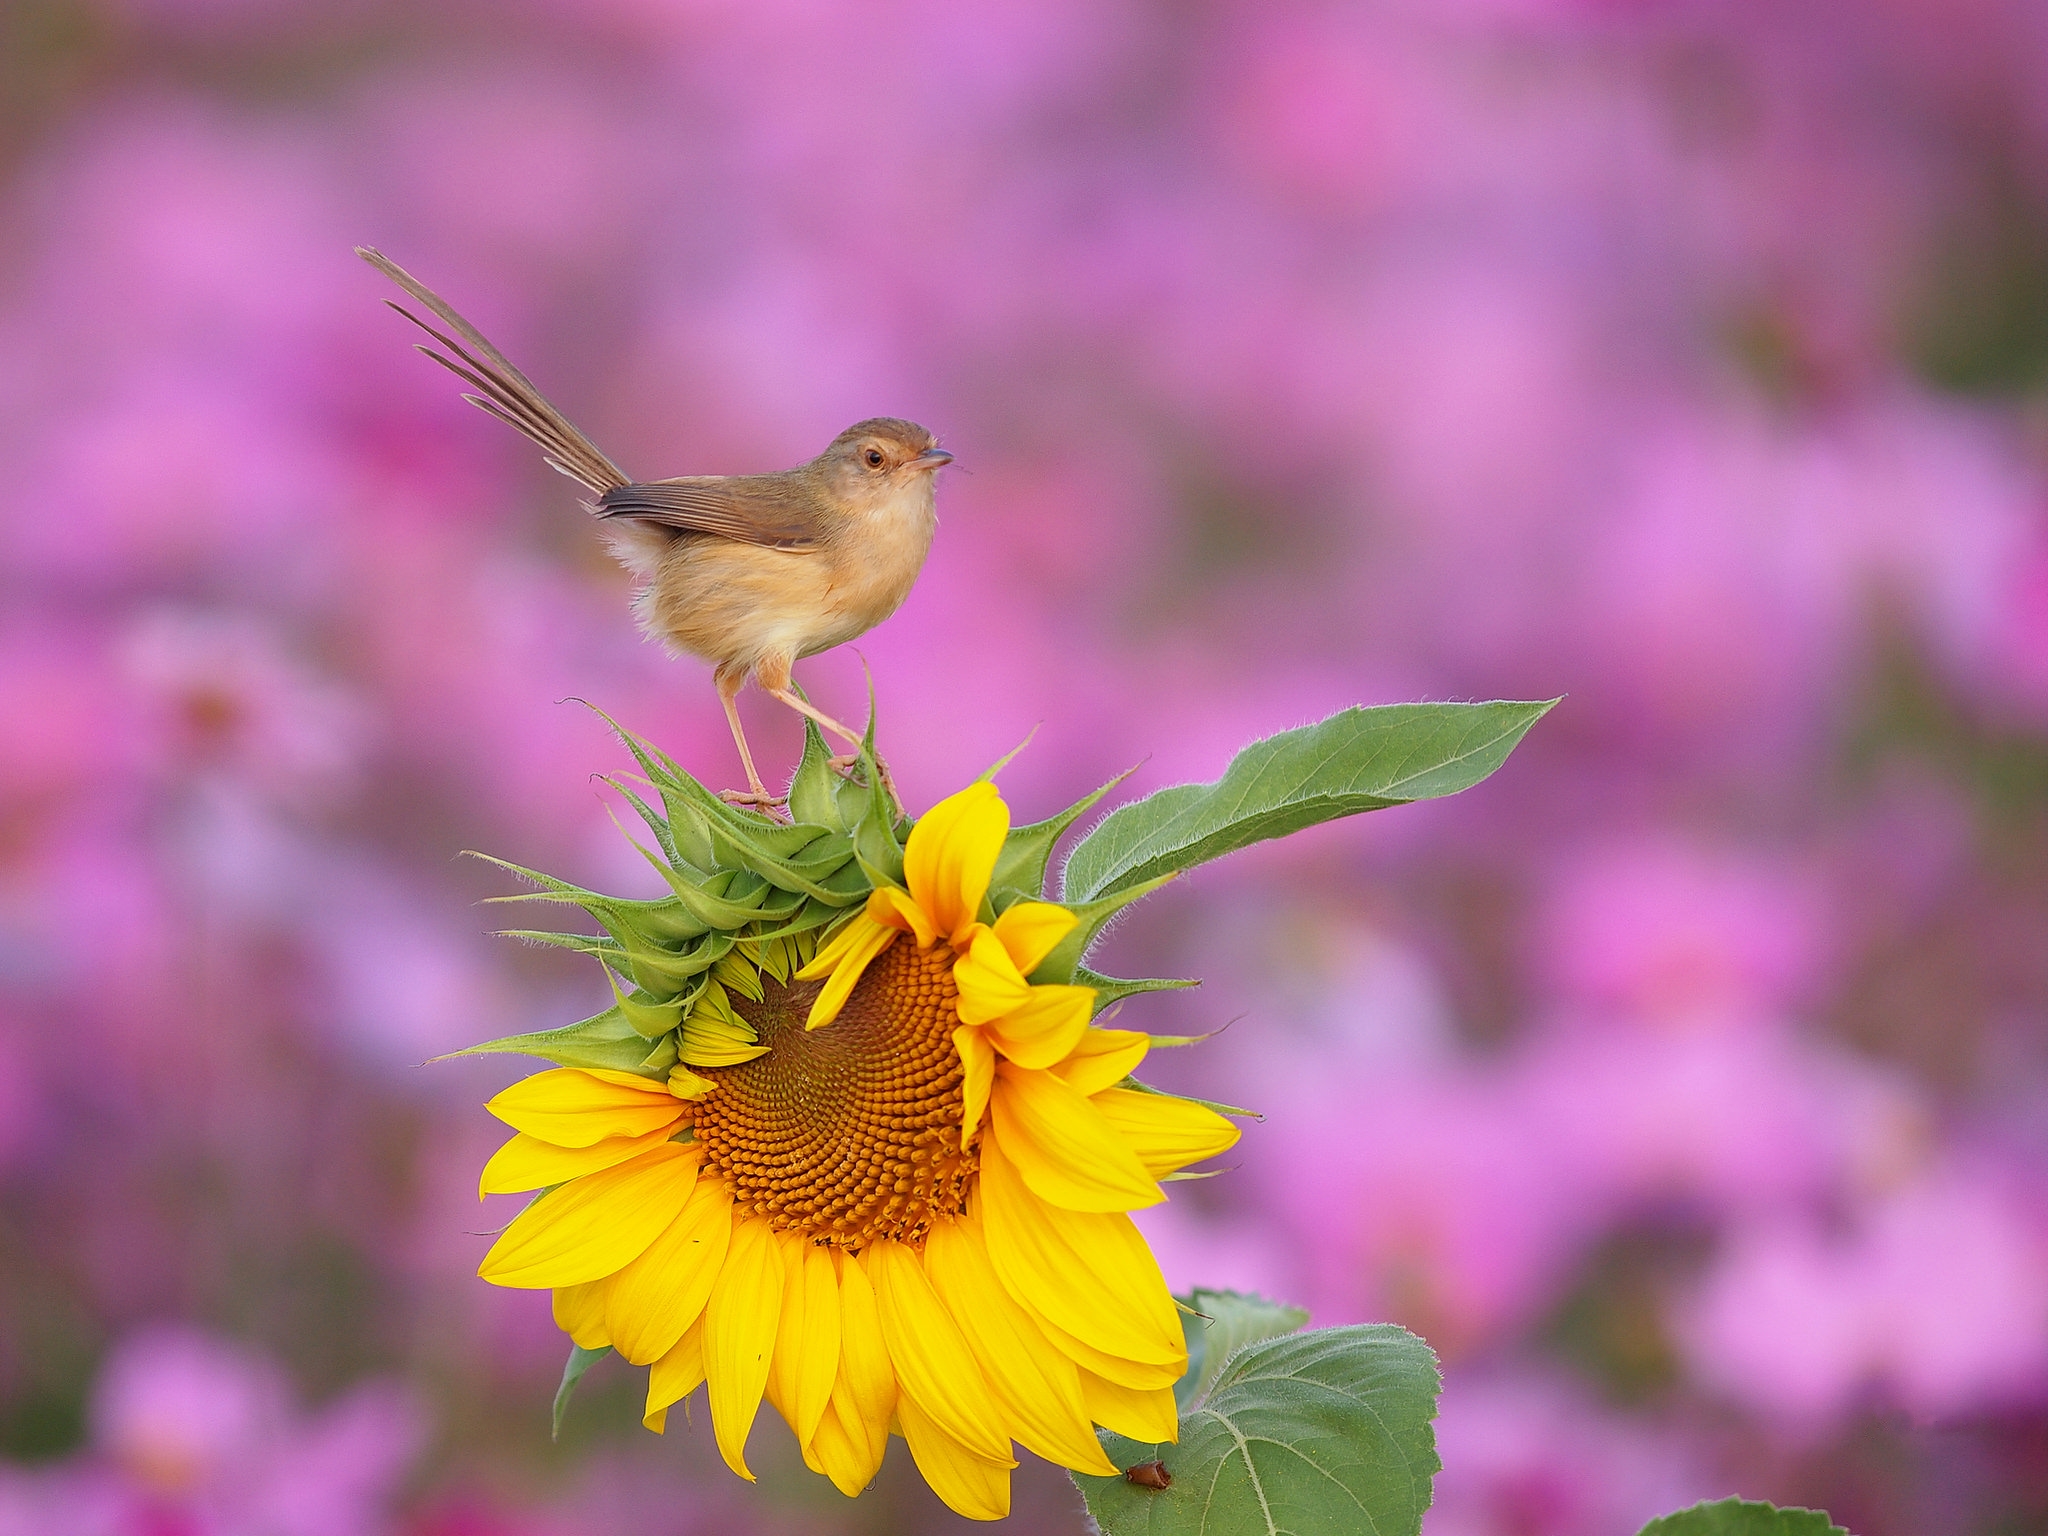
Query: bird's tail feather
{"x":502,"y":389}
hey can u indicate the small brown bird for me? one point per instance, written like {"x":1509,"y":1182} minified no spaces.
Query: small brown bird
{"x":749,"y":572}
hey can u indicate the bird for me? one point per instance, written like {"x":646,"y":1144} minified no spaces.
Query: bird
{"x":748,"y":572}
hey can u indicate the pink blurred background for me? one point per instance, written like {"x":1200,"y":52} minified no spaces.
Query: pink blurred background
{"x":1684,"y":1084}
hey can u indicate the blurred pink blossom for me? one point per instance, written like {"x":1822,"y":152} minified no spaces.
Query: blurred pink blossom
{"x":1936,"y":1296}
{"x":193,"y":1436}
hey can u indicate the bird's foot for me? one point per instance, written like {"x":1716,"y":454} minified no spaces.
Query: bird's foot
{"x":846,"y":762}
{"x":758,"y":797}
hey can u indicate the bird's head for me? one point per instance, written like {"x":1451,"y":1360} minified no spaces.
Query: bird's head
{"x":874,"y":462}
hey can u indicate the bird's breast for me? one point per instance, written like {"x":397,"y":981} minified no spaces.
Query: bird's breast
{"x":876,"y":561}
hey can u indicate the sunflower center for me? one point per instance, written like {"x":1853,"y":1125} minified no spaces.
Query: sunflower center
{"x":850,"y":1133}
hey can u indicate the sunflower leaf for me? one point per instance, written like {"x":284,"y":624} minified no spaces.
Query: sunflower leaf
{"x":1324,"y":1433}
{"x":1358,"y":760}
{"x":1223,"y":1322}
{"x":580,"y":1360}
{"x":1740,"y":1517}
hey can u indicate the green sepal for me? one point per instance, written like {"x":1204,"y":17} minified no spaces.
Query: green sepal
{"x":811,"y":798}
{"x":1209,"y":1104}
{"x":1064,"y":963}
{"x":1111,"y":990}
{"x":1027,"y":851}
{"x":1743,"y":1517}
{"x":811,"y":916}
{"x":661,"y":921}
{"x":650,"y":1019}
{"x":661,"y":973}
{"x":988,"y":774}
{"x":580,"y":1360}
{"x":710,"y":834}
{"x":657,"y":824}
{"x":657,"y":1061}
{"x":876,"y":846}
{"x":605,"y":1041}
{"x":731,"y":898}
{"x":690,"y":841}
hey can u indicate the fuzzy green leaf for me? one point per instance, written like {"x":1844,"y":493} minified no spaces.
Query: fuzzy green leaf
{"x":1324,"y":1433}
{"x":580,"y":1360}
{"x":1219,"y":1324}
{"x":1359,"y":760}
{"x":1740,"y":1517}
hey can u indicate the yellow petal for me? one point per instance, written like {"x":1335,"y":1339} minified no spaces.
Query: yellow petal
{"x":833,"y":1451}
{"x":1166,"y":1133}
{"x":526,"y":1162}
{"x":894,"y":909}
{"x":952,"y":853}
{"x":932,"y":1360}
{"x":864,"y":1396}
{"x":596,"y":1225}
{"x":685,"y":1084}
{"x":1147,"y":1417}
{"x":568,"y":1107}
{"x":579,"y":1312}
{"x":675,"y":1376}
{"x":1086,"y":1272}
{"x":1065,"y":1148}
{"x":1104,"y":1058}
{"x":650,"y":1302}
{"x":739,"y":1335}
{"x":807,"y":1338}
{"x":1137,"y":1375}
{"x":970,"y":1485}
{"x":850,"y":953}
{"x":989,"y":981}
{"x":1031,"y":930}
{"x":832,"y":951}
{"x":1039,"y":1388}
{"x":978,"y":1066}
{"x":1045,"y":1029}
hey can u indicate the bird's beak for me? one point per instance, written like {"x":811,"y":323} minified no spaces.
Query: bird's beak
{"x":932,"y":458}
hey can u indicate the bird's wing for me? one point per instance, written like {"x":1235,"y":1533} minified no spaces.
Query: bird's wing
{"x":504,"y":391}
{"x":749,"y":509}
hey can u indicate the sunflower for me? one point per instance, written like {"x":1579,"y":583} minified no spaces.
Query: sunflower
{"x":885,"y":1183}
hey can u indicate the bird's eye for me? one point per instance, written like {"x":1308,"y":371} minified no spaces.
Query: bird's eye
{"x":874,"y":458}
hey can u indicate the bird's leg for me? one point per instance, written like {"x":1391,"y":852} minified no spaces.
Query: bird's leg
{"x":851,"y":737}
{"x":756,"y":793}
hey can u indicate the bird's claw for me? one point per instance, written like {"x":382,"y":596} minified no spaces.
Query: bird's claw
{"x":846,"y":762}
{"x":759,"y":798}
